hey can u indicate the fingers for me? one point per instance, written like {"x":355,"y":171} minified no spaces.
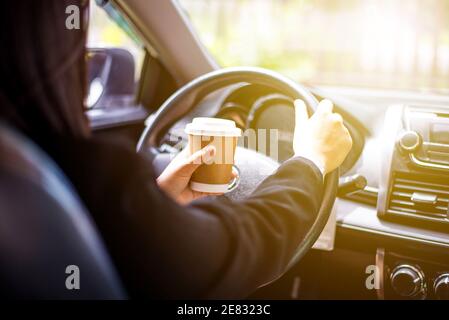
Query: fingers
{"x":204,"y":155}
{"x":324,"y":107}
{"x":336,"y":118}
{"x":349,"y":137}
{"x":325,"y":110}
{"x":301,"y":114}
{"x":324,"y":138}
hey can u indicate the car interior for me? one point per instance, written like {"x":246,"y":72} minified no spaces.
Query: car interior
{"x":383,"y":227}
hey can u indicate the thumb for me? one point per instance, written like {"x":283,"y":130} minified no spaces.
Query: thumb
{"x":301,"y":114}
{"x":188,"y":166}
{"x":324,"y":107}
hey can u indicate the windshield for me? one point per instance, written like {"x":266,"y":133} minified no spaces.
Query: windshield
{"x":369,"y":43}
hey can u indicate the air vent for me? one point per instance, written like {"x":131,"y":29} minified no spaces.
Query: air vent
{"x":419,"y":196}
{"x":433,"y":128}
{"x":437,"y":152}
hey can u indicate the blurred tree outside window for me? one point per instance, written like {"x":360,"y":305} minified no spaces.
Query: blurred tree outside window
{"x":401,"y":44}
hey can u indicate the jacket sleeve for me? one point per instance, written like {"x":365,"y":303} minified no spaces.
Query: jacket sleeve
{"x":216,"y":248}
{"x":213,"y":248}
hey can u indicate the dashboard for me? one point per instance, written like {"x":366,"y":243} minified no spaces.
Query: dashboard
{"x":399,"y":222}
{"x":416,"y":166}
{"x":406,"y":162}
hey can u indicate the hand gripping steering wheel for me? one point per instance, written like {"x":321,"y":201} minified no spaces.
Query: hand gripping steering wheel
{"x":186,"y":98}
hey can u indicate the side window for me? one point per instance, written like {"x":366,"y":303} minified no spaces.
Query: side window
{"x":115,"y":58}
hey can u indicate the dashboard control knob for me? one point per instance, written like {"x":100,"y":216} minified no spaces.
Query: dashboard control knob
{"x":409,"y":141}
{"x":407,"y":281}
{"x":441,"y":287}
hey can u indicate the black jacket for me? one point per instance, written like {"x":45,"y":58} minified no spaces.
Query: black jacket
{"x":213,"y":248}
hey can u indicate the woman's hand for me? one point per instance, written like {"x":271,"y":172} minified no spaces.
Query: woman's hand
{"x":323,"y":138}
{"x":174,"y":180}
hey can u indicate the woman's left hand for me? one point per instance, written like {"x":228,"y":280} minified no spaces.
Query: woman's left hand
{"x":174,"y":180}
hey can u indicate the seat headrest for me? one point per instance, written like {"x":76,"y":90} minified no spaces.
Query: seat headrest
{"x":48,"y":242}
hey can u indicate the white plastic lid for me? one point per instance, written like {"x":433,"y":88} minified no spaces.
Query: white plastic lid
{"x":213,"y":127}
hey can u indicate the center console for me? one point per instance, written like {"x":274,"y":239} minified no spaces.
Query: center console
{"x":414,"y":192}
{"x":416,"y":166}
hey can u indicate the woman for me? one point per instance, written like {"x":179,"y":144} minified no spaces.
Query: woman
{"x":162,"y":243}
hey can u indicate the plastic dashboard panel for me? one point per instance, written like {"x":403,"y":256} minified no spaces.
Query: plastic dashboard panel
{"x":364,"y":218}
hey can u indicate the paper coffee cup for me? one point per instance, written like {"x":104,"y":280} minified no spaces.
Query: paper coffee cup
{"x":216,"y":176}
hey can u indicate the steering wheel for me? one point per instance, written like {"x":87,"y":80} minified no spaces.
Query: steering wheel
{"x":186,"y":98}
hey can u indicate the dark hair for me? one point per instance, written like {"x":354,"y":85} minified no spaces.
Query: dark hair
{"x":42,"y":68}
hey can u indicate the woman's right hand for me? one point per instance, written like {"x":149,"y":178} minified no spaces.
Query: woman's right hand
{"x":323,"y":138}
